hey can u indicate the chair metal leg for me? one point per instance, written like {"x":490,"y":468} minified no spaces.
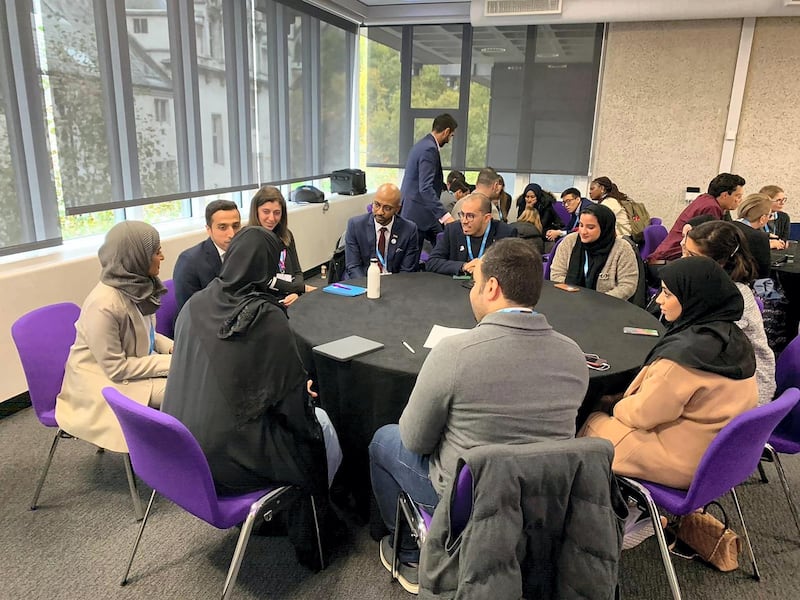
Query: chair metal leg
{"x":138,"y":537}
{"x":319,"y":534}
{"x":256,"y":509}
{"x":647,"y":501}
{"x":756,"y":574}
{"x":397,"y":533}
{"x":46,"y":468}
{"x":782,"y":476}
{"x":137,"y":501}
{"x":762,"y":473}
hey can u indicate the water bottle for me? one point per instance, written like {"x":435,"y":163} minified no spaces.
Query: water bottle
{"x":373,"y":279}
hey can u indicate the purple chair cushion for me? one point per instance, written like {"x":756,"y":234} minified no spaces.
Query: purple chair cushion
{"x":787,"y":368}
{"x":562,"y":212}
{"x":43,"y":338}
{"x":168,"y":311}
{"x":461,"y":503}
{"x":730,"y":459}
{"x":653,"y":236}
{"x":166,"y":456}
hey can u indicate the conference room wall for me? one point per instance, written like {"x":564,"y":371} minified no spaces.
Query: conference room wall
{"x":68,"y":273}
{"x":663,"y":108}
{"x":769,"y":128}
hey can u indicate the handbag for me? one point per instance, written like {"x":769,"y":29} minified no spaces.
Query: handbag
{"x":712,"y":540}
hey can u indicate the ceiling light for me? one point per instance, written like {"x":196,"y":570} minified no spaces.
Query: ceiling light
{"x":491,"y":50}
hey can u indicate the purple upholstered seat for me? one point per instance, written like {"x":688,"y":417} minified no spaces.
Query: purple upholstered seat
{"x":168,"y":311}
{"x":655,"y":221}
{"x":168,"y":458}
{"x":653,"y":236}
{"x":43,"y":338}
{"x":730,"y":459}
{"x":548,"y":258}
{"x":562,"y":212}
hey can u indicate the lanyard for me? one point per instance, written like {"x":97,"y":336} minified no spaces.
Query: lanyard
{"x":282,"y":261}
{"x":483,"y":243}
{"x":500,"y":211}
{"x":152,"y":337}
{"x":381,"y":257}
{"x":518,"y":310}
{"x":585,"y":265}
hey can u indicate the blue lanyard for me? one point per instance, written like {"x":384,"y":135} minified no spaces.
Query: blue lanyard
{"x":380,"y":256}
{"x":499,"y":211}
{"x":483,"y":243}
{"x":152,"y":336}
{"x":518,"y":310}
{"x":586,"y":265}
{"x":282,"y":261}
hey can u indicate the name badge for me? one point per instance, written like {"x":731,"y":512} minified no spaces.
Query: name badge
{"x":285,"y":277}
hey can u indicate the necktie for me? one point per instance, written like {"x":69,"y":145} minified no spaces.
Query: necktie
{"x":382,"y":246}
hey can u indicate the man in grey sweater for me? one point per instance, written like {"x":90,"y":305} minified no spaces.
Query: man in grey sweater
{"x":462,"y":399}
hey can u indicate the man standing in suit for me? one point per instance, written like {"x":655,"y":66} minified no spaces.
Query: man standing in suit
{"x":198,"y":265}
{"x":464,"y":243}
{"x":423,"y":181}
{"x":384,"y":235}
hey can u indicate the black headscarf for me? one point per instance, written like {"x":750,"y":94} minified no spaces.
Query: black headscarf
{"x":705,"y":335}
{"x":245,"y":328}
{"x":596,"y":252}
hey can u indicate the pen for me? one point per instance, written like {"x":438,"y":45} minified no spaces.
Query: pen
{"x":339,"y":285}
{"x":409,"y":348}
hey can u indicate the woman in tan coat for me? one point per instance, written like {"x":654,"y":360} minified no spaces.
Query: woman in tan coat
{"x":594,"y":257}
{"x":116,"y":342}
{"x":695,"y":380}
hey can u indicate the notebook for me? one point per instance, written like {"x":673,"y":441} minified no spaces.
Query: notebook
{"x":348,"y":348}
{"x":341,"y":289}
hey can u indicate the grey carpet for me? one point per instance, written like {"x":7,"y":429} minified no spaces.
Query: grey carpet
{"x":75,"y":546}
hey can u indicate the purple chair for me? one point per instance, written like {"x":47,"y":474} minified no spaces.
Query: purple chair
{"x":168,"y":311}
{"x":43,"y":338}
{"x":419,"y":520}
{"x":369,"y":208}
{"x":562,"y":213}
{"x":730,"y":459}
{"x":169,"y":459}
{"x":547,"y":259}
{"x":787,"y":368}
{"x":655,"y":221}
{"x":653,"y":236}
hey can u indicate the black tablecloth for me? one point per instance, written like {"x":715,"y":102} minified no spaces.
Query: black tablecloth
{"x":372,"y":390}
{"x":787,"y":274}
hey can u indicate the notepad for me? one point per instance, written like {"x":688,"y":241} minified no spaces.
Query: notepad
{"x":341,"y":289}
{"x":438,"y":333}
{"x":348,"y":348}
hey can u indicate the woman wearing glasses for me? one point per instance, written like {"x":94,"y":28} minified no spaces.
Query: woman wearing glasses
{"x":595,"y":257}
{"x":779,"y":224}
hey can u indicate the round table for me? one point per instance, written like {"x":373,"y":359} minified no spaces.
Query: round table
{"x":369,"y":391}
{"x":787,"y":274}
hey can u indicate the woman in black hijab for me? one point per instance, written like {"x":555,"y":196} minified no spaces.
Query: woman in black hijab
{"x":238,"y":384}
{"x":697,"y":378}
{"x":533,"y":196}
{"x":594,"y":257}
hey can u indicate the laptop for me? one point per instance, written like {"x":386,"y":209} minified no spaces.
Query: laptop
{"x":348,"y":348}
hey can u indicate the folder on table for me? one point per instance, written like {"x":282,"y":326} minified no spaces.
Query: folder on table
{"x":341,"y":289}
{"x":348,"y":348}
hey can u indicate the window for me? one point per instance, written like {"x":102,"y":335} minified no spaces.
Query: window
{"x":380,"y":107}
{"x":335,"y":98}
{"x":217,"y":139}
{"x":161,"y":110}
{"x":139,"y":25}
{"x":297,"y":109}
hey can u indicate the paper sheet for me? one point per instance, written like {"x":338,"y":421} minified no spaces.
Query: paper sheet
{"x":438,"y":333}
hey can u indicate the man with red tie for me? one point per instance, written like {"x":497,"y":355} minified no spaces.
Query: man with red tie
{"x":384,"y":235}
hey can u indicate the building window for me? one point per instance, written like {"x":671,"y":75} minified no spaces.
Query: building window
{"x":217,"y":139}
{"x":140,"y":26}
{"x":162,"y":110}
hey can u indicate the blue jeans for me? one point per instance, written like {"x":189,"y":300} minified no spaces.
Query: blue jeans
{"x":394,"y":468}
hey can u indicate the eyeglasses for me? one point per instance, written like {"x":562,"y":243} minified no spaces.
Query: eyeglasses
{"x":567,"y":201}
{"x":466,"y":216}
{"x":781,"y":200}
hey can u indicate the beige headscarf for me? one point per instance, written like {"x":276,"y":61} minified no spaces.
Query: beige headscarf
{"x":125,"y":257}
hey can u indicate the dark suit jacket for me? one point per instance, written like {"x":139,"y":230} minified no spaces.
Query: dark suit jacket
{"x":450,"y":253}
{"x":422,"y":186}
{"x":195,"y":268}
{"x":402,"y":246}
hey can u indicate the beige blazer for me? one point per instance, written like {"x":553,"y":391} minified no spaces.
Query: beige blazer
{"x":111,"y":348}
{"x":619,"y":276}
{"x":623,"y":222}
{"x":667,"y":419}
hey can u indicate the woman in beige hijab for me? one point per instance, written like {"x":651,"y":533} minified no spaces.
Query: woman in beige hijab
{"x":116,"y":342}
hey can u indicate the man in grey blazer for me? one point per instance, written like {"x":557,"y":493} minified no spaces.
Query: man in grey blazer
{"x":197,"y":266}
{"x":461,"y":400}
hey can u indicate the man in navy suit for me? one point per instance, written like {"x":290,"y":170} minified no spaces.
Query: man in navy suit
{"x":197,"y":266}
{"x":384,"y":235}
{"x":423,"y":181}
{"x":465,"y":242}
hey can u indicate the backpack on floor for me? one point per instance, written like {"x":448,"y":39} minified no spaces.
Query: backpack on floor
{"x":638,"y":217}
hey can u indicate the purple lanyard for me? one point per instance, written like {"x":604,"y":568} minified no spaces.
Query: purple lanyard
{"x":282,"y":261}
